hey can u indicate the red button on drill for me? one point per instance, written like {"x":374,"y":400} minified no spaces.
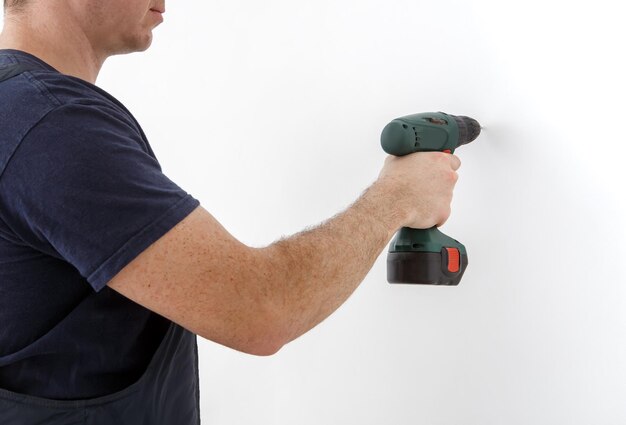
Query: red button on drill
{"x":454,"y":260}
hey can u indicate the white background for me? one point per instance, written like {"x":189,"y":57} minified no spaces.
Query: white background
{"x":269,"y":112}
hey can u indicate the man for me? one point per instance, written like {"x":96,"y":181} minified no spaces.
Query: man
{"x":109,"y":270}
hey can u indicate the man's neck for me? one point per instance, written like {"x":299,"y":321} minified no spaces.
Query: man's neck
{"x":55,"y":39}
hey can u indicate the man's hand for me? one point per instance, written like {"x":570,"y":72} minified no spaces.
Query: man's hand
{"x":258,"y":299}
{"x":421,"y":184}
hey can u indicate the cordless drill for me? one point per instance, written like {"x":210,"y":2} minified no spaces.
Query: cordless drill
{"x":426,"y":256}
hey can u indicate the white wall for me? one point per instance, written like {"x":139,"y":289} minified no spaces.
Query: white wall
{"x":270,"y":113}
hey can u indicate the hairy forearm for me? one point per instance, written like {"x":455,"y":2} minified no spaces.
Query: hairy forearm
{"x":315,"y":271}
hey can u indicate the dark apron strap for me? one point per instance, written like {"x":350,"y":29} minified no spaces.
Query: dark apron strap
{"x":13,"y":70}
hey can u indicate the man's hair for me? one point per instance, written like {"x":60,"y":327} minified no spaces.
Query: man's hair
{"x":14,"y":4}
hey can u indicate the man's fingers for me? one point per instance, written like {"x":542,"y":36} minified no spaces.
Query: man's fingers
{"x":455,"y":162}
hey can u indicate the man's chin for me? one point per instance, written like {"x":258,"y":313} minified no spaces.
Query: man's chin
{"x":139,"y":44}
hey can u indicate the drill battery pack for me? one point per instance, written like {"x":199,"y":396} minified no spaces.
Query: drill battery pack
{"x":427,"y":268}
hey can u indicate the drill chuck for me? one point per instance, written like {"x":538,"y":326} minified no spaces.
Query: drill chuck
{"x":469,"y":129}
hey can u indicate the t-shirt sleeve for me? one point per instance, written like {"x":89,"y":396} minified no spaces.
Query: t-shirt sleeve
{"x":83,"y":187}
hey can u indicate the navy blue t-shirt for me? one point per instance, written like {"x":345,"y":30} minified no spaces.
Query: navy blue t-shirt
{"x":81,"y":195}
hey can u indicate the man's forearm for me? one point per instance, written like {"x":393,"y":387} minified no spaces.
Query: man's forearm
{"x":313,"y":272}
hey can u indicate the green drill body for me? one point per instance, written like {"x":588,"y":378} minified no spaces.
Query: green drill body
{"x":426,"y":256}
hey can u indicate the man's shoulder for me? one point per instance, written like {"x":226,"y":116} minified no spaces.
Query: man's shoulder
{"x":44,"y":90}
{"x":63,"y":105}
{"x":66,"y":89}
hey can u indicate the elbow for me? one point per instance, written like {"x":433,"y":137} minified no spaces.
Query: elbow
{"x":260,"y":323}
{"x":268,"y":339}
{"x":271,"y":322}
{"x":263,"y":344}
{"x":266,"y":350}
{"x":256,"y":342}
{"x":261,"y":334}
